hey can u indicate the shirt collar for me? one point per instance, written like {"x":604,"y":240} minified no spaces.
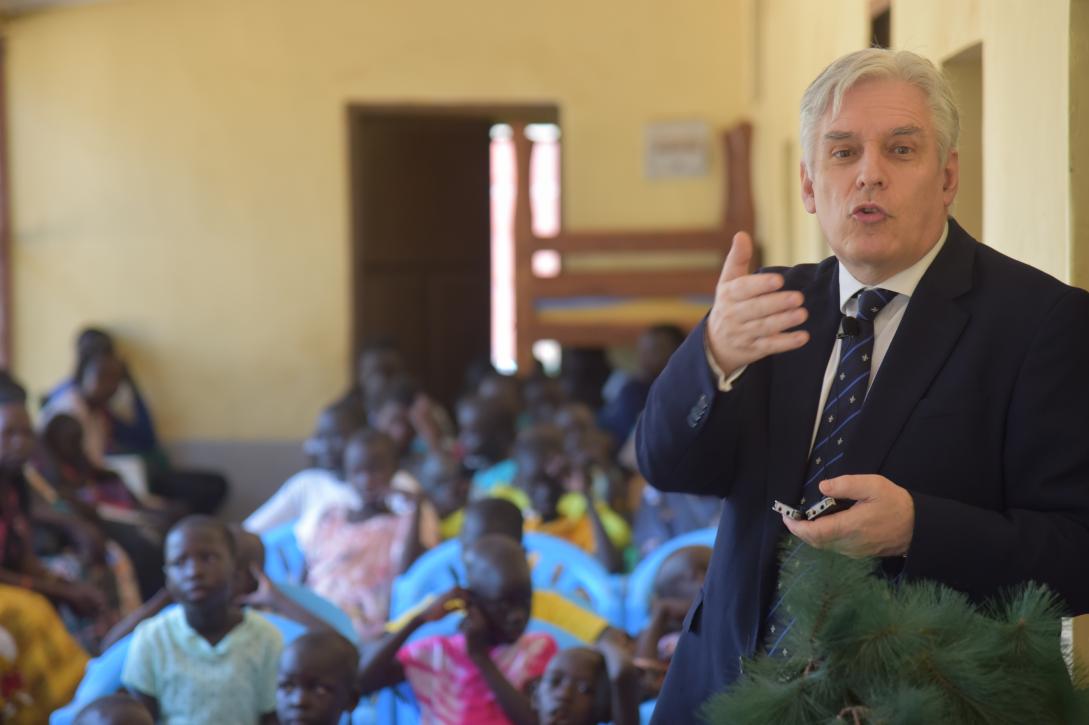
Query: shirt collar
{"x":903,"y":282}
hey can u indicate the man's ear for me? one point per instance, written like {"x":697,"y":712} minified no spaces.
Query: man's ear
{"x":808,"y":199}
{"x":951,"y":177}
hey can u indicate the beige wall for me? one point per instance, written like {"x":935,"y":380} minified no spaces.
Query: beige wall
{"x":1026,"y":184}
{"x":795,"y":40}
{"x":179,"y":168}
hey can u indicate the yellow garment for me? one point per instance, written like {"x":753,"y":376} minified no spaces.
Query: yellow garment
{"x":573,"y":523}
{"x":550,"y":607}
{"x":47,"y":659}
{"x":450,"y":527}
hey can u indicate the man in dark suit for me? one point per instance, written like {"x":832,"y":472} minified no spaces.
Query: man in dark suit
{"x":968,"y":462}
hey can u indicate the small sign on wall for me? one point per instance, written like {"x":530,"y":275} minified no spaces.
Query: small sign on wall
{"x":677,"y":149}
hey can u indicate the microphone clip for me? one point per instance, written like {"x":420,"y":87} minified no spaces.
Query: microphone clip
{"x":848,"y":328}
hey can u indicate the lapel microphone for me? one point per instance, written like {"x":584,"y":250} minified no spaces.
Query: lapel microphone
{"x":848,"y":328}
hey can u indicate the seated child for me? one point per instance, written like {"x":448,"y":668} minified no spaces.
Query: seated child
{"x":485,"y":435}
{"x":117,"y":709}
{"x":582,"y":686}
{"x":544,"y":396}
{"x":316,"y":684}
{"x":354,"y":552}
{"x":318,"y":486}
{"x":446,"y":484}
{"x":483,"y":674}
{"x":543,"y":475}
{"x":676,"y":585}
{"x":207,"y":661}
{"x":653,"y":350}
{"x":489,"y":516}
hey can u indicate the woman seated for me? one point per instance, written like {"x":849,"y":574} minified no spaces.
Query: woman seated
{"x":103,"y":397}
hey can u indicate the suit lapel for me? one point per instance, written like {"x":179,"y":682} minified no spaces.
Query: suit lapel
{"x":931,"y":326}
{"x":796,"y":386}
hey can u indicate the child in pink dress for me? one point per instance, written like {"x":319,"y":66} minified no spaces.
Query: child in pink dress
{"x":483,"y":675}
{"x":354,"y":554}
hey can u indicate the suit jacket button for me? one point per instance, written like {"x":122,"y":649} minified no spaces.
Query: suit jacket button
{"x":695,"y":416}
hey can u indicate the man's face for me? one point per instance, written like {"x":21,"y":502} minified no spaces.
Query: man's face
{"x":877,"y":183}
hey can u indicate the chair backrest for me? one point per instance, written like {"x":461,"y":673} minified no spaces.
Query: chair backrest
{"x":562,"y":567}
{"x":641,"y":581}
{"x":321,"y":608}
{"x":436,"y":571}
{"x":558,"y":566}
{"x":284,"y":561}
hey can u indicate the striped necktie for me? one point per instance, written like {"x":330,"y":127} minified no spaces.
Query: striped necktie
{"x":838,"y":420}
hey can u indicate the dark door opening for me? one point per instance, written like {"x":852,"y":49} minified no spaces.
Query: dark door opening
{"x":421,"y":234}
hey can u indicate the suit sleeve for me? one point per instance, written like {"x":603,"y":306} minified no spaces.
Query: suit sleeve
{"x":1043,"y":532}
{"x":689,"y":434}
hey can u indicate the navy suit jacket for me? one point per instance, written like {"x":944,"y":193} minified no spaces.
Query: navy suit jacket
{"x":980,"y":409}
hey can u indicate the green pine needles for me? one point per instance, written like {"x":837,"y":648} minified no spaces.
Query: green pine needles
{"x":864,"y":651}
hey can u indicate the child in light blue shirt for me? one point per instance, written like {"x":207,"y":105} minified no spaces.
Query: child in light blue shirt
{"x":207,"y":661}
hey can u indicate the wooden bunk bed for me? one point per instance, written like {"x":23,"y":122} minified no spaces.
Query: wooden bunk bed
{"x":601,"y":304}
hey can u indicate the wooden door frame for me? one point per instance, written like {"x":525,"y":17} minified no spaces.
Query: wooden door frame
{"x":499,"y":112}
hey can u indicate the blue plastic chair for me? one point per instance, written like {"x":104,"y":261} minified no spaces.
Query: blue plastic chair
{"x":557,"y":566}
{"x":562,"y":567}
{"x":284,"y":561}
{"x":641,"y":580}
{"x":321,"y":608}
{"x":436,"y":571}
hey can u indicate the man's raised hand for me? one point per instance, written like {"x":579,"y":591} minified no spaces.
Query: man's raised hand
{"x":751,"y":315}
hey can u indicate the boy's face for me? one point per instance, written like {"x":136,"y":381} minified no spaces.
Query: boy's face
{"x":66,"y":439}
{"x":200,"y":569}
{"x":326,"y":446}
{"x":568,"y":693}
{"x":16,"y":437}
{"x":477,"y":432}
{"x":369,"y":469}
{"x":101,"y":380}
{"x":377,"y":368}
{"x":449,"y":492}
{"x":505,"y":597}
{"x":393,"y":420}
{"x":545,"y":491}
{"x":312,"y":687}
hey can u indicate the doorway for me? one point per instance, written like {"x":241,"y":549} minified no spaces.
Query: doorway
{"x":421,"y":234}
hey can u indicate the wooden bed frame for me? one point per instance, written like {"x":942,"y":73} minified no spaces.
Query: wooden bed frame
{"x":678,"y":282}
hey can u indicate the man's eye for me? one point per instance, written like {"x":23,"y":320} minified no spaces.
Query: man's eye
{"x":841,"y":153}
{"x":901,"y":150}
